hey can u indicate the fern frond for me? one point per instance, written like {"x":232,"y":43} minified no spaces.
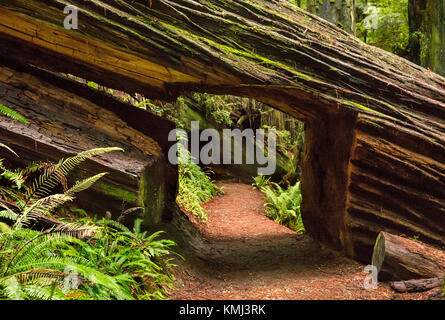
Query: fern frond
{"x":12,"y":114}
{"x":12,"y":288}
{"x":30,"y":276}
{"x":8,"y":213}
{"x":2,"y":145}
{"x":84,"y":184}
{"x":37,"y":292}
{"x":55,"y":174}
{"x":48,"y":204}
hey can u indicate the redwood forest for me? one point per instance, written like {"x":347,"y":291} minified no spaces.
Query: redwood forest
{"x":189,"y":150}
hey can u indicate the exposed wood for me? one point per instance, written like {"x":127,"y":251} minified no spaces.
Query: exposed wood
{"x":418,"y":285}
{"x":63,"y":123}
{"x":382,"y":168}
{"x":406,"y":259}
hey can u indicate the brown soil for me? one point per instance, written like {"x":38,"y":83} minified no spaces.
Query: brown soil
{"x":242,"y":254}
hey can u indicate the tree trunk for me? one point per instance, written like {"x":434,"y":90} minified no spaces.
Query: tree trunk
{"x":339,"y":12}
{"x":312,"y":6}
{"x":405,"y":259}
{"x":375,"y":147}
{"x":64,"y":122}
{"x":427,"y":33}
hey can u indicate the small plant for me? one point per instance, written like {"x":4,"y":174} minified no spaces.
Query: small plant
{"x":8,"y":112}
{"x":261,"y":181}
{"x":114,"y":263}
{"x":140,"y":263}
{"x":195,"y":187}
{"x":283,"y":206}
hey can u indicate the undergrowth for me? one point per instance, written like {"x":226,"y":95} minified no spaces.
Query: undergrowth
{"x":195,"y":186}
{"x":80,"y":260}
{"x":282,"y":205}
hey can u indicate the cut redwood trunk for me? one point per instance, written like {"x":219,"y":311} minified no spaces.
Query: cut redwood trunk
{"x":63,"y":123}
{"x":405,"y":259}
{"x":375,"y":147}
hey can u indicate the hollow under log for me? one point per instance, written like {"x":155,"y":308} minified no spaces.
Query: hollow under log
{"x":63,"y":122}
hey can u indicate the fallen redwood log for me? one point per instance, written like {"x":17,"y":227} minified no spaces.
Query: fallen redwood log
{"x":66,"y":118}
{"x":417,"y":285}
{"x":404,"y":259}
{"x":375,"y":145}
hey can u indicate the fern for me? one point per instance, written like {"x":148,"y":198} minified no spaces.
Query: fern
{"x":8,"y":112}
{"x":2,"y":145}
{"x":119,"y":264}
{"x":195,"y":187}
{"x":55,"y":174}
{"x":283,"y":206}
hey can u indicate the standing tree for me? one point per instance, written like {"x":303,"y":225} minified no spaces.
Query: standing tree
{"x":427,"y":33}
{"x":339,"y":12}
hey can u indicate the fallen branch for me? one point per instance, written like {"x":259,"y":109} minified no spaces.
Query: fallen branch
{"x":418,"y":285}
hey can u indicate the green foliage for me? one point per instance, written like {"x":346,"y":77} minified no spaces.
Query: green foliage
{"x":55,"y":174}
{"x":93,"y":85}
{"x":8,"y":112}
{"x":216,"y":107}
{"x":30,"y":267}
{"x":195,"y":187}
{"x":303,"y":3}
{"x":117,"y":263}
{"x":139,"y":263}
{"x":392,"y":29}
{"x":283,"y":206}
{"x":261,"y":181}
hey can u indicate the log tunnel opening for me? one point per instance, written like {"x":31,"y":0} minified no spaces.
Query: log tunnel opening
{"x":374,"y":156}
{"x":31,"y":90}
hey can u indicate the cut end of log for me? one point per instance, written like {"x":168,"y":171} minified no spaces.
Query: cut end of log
{"x":378,"y":255}
{"x":405,"y":259}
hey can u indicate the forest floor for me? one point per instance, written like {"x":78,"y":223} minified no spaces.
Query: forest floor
{"x":249,"y":256}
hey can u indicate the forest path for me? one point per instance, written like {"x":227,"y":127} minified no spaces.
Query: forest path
{"x":249,"y":256}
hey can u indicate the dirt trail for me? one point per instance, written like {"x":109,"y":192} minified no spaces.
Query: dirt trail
{"x":245,"y":255}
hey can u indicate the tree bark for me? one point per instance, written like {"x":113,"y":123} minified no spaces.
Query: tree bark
{"x":381,"y":168}
{"x":405,"y":259}
{"x":427,"y":33}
